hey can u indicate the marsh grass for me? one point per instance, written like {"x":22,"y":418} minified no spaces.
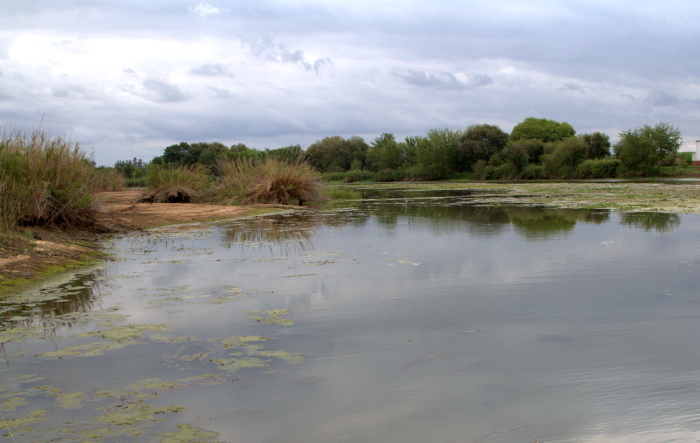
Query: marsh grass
{"x":45,"y":181}
{"x":247,"y":181}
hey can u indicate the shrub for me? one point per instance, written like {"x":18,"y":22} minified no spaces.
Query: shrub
{"x":532,"y":172}
{"x":267,"y":181}
{"x":506,"y":171}
{"x":565,"y":157}
{"x":479,"y":168}
{"x":602,"y":168}
{"x":390,"y":175}
{"x":358,"y":176}
{"x":45,"y":181}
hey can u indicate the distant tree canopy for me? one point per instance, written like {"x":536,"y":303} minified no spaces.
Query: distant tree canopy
{"x":543,"y":129}
{"x":209,"y":154}
{"x":536,"y":148}
{"x":336,"y":154}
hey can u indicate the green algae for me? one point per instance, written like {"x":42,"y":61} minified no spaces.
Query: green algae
{"x":14,"y":402}
{"x":193,"y":357}
{"x":164,"y":338}
{"x":126,"y":333}
{"x":232,"y":364}
{"x":34,"y":417}
{"x":274,"y":317}
{"x":188,"y":434}
{"x":237,"y":342}
{"x":88,"y":349}
{"x":134,"y":414}
{"x":73,"y":400}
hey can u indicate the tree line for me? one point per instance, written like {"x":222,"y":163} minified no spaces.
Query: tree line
{"x":535,"y":148}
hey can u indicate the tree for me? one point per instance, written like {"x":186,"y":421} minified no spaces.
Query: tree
{"x":438,"y":154}
{"x":385,"y":153}
{"x":479,"y":142}
{"x":336,"y":153}
{"x":643,"y":148}
{"x":543,"y":129}
{"x":598,"y":145}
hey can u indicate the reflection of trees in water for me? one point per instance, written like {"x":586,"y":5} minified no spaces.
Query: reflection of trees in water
{"x":658,"y":221}
{"x":285,"y":234}
{"x":40,"y":308}
{"x":540,"y":223}
{"x":486,"y":221}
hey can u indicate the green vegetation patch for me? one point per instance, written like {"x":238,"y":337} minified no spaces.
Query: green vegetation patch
{"x":72,"y":400}
{"x":188,"y":434}
{"x":125,"y":333}
{"x":12,"y":403}
{"x":131,"y":415}
{"x":274,"y":317}
{"x":34,"y":417}
{"x":237,"y":342}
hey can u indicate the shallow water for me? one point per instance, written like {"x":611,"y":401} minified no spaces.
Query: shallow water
{"x":406,"y":319}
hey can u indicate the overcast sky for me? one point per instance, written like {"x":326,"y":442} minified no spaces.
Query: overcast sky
{"x":126,"y":78}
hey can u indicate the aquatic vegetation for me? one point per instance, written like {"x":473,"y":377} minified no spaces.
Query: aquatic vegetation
{"x":237,"y":342}
{"x":12,"y":403}
{"x":133,"y":414}
{"x":274,"y":317}
{"x":187,"y":434}
{"x":126,"y":333}
{"x":73,"y":400}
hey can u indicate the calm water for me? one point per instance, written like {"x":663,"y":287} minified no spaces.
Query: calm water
{"x":415,"y":318}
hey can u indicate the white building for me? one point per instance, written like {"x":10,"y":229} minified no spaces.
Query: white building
{"x":696,"y":154}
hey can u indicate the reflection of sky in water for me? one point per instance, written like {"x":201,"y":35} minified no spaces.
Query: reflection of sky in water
{"x":418,"y":323}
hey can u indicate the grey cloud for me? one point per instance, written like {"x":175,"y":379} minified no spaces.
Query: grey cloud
{"x":445,"y":80}
{"x":267,"y":49}
{"x":571,"y":87}
{"x":210,"y":70}
{"x":161,"y":91}
{"x":220,"y":92}
{"x":129,"y":71}
{"x":663,"y":98}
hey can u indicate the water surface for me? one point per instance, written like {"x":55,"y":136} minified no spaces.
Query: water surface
{"x":408,"y":318}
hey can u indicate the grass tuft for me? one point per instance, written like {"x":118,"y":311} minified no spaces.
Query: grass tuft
{"x":269,"y":180}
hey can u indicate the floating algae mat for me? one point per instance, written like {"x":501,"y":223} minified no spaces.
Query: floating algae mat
{"x":409,"y":317}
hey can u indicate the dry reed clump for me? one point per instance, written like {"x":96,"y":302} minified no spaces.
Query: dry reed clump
{"x":270,"y":180}
{"x":181,"y":184}
{"x":45,"y":181}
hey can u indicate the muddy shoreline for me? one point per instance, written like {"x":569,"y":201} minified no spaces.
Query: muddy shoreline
{"x":59,"y":251}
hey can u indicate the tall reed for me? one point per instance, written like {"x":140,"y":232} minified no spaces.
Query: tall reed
{"x":175,"y":184}
{"x":45,"y":180}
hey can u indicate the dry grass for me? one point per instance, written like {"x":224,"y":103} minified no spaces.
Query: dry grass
{"x":249,"y":181}
{"x":45,"y":181}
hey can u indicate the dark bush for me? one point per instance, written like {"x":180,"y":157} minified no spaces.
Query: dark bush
{"x":532,"y":172}
{"x":479,"y":169}
{"x":390,"y":175}
{"x":602,"y":168}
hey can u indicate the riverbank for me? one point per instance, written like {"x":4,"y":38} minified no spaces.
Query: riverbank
{"x":54,"y":251}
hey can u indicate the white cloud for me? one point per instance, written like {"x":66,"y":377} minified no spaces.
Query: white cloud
{"x":205,"y":9}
